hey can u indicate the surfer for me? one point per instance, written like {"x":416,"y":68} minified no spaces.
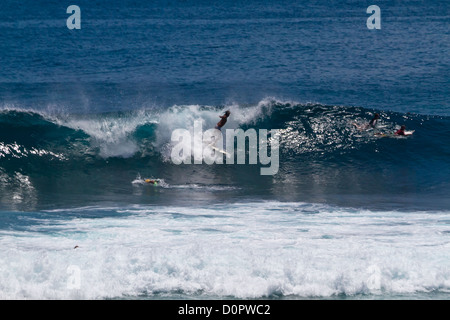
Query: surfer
{"x":223,"y":120}
{"x":374,"y":121}
{"x":372,"y":124}
{"x":151,"y":181}
{"x":401,"y":131}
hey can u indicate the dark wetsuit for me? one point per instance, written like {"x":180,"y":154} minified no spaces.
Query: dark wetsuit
{"x":222,"y":122}
{"x":373,"y":122}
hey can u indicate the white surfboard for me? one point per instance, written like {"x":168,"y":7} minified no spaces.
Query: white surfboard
{"x":212,"y":146}
{"x":221,"y":151}
{"x":407,"y":133}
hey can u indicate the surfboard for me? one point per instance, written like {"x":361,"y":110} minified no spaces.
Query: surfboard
{"x":367,"y":127}
{"x":212,"y":146}
{"x":363,"y":127}
{"x":407,"y":133}
{"x":149,"y":181}
{"x":220,"y":150}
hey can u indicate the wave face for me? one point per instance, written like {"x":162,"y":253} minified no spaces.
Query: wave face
{"x":321,"y":152}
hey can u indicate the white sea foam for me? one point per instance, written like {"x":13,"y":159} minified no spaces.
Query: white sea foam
{"x":21,"y":192}
{"x":246,"y":250}
{"x":111,"y":134}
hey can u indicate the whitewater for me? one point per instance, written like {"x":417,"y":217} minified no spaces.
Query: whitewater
{"x":279,"y":250}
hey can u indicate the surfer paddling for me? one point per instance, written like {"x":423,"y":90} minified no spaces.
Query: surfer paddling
{"x":152,"y":181}
{"x":223,"y":120}
{"x":401,"y":131}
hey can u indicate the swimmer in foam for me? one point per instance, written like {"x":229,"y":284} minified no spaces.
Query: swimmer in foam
{"x":223,"y":120}
{"x":152,"y":181}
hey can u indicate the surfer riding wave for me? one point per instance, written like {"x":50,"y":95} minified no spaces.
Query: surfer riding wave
{"x":223,"y":120}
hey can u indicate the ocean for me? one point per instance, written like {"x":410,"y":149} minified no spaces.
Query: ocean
{"x":87,"y":115}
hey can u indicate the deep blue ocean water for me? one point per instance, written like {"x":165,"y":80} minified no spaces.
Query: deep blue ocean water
{"x":87,"y":115}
